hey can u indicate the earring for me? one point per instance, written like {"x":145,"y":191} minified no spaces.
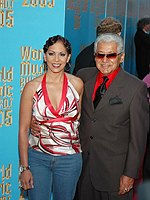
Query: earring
{"x":45,"y":66}
{"x":67,"y":67}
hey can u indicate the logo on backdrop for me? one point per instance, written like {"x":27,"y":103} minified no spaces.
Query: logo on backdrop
{"x":6,"y":96}
{"x":5,"y":185}
{"x":7,"y":12}
{"x":29,"y":67}
{"x":21,"y":61}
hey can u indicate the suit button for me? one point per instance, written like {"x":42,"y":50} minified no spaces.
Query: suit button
{"x":91,"y":137}
{"x":93,"y":120}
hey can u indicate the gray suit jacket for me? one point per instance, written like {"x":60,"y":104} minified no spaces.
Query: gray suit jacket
{"x":114,"y":134}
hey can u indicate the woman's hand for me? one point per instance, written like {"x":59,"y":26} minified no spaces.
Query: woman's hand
{"x":26,"y":180}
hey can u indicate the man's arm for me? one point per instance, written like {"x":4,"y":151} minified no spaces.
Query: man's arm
{"x":139,"y":125}
{"x":34,"y":125}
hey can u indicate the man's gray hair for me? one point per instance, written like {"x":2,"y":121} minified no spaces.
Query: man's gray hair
{"x":110,"y":37}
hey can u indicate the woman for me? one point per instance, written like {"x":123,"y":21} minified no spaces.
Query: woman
{"x":50,"y":161}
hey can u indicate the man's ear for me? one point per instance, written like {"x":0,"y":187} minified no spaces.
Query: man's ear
{"x":122,"y":57}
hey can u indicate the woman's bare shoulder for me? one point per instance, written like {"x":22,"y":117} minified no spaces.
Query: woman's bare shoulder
{"x":32,"y":85}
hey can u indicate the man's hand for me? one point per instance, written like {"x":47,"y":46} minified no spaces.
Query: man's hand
{"x":35,"y":128}
{"x":126,"y":184}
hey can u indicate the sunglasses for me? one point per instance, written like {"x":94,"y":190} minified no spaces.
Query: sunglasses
{"x":109,"y":56}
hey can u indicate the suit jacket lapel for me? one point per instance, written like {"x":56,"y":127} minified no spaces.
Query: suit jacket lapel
{"x":89,"y":88}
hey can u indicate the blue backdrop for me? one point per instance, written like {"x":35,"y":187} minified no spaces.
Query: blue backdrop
{"x":24,"y":27}
{"x":83,"y":16}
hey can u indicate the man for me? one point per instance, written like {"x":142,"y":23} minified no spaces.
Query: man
{"x":86,"y":56}
{"x":113,"y":131}
{"x":142,"y":47}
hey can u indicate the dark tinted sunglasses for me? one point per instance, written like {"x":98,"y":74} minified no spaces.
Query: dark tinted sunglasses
{"x":109,"y":56}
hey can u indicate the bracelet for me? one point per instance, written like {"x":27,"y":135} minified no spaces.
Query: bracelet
{"x":23,"y":168}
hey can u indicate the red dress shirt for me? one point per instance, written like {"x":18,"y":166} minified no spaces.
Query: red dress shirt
{"x":99,"y":80}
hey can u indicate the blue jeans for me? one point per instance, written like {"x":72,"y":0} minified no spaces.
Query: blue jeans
{"x":56,"y":175}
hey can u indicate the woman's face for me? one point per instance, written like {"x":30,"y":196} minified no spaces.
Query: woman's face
{"x":56,"y":57}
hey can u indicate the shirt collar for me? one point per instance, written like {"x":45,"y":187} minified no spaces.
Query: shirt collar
{"x":99,"y":80}
{"x":110,"y":76}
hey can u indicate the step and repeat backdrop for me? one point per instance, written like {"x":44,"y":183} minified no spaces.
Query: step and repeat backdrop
{"x":25,"y":25}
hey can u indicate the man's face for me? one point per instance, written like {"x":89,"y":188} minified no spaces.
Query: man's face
{"x":108,"y":64}
{"x":147,"y":28}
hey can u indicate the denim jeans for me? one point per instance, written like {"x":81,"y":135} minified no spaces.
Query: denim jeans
{"x":54,"y":175}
